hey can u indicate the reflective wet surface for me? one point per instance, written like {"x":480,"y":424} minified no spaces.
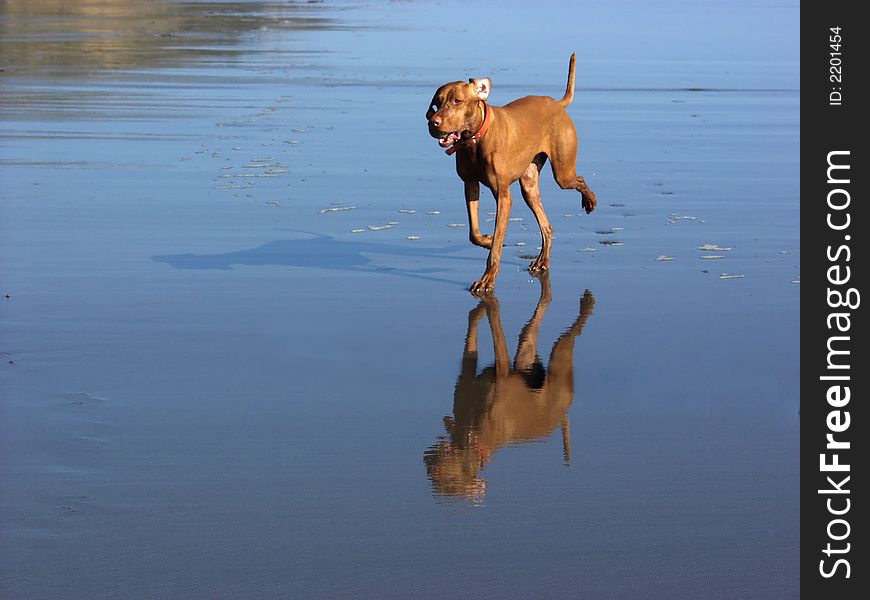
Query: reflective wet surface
{"x":238,"y":354}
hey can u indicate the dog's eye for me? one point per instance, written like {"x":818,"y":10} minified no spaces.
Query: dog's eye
{"x":457,"y":101}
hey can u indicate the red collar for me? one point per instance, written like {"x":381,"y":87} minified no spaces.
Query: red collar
{"x":472,"y":141}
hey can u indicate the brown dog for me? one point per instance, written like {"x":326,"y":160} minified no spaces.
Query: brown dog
{"x":497,"y":145}
{"x":506,"y":404}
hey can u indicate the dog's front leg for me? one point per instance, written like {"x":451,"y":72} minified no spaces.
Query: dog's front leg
{"x":499,"y":342}
{"x":493,"y":263}
{"x":469,"y":353}
{"x":472,"y":203}
{"x":527,"y":349}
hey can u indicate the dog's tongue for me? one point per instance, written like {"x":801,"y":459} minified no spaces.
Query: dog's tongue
{"x":449,"y":139}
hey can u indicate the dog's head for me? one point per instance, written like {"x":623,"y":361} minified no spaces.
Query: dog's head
{"x":454,"y":463}
{"x":456,"y":110}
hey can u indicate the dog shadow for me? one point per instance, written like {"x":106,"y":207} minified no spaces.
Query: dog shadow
{"x":507,"y":403}
{"x":318,"y":251}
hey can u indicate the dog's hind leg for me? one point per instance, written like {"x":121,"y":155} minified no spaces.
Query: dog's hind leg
{"x":563,"y":159}
{"x":529,"y":184}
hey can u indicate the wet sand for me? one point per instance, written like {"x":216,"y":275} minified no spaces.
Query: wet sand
{"x":238,"y":353}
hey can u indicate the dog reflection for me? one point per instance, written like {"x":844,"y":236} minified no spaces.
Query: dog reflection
{"x":505,"y":404}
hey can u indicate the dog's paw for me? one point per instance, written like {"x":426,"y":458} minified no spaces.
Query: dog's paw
{"x":483,"y":240}
{"x":589,"y":202}
{"x":484,"y":285}
{"x":587,"y":302}
{"x":539,"y":265}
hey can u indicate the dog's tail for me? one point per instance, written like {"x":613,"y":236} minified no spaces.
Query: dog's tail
{"x":569,"y":91}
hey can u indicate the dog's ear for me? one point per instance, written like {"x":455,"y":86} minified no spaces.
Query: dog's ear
{"x":449,"y":424}
{"x":481,"y":87}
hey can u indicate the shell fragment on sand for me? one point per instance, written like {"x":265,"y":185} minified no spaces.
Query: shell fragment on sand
{"x":264,"y":165}
{"x":334,"y":209}
{"x":672,"y":218}
{"x":266,"y":173}
{"x":240,"y":186}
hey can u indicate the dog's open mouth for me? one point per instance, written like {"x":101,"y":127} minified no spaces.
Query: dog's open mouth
{"x":449,"y":139}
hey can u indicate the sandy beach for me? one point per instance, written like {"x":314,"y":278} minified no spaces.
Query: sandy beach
{"x":236,"y":356}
